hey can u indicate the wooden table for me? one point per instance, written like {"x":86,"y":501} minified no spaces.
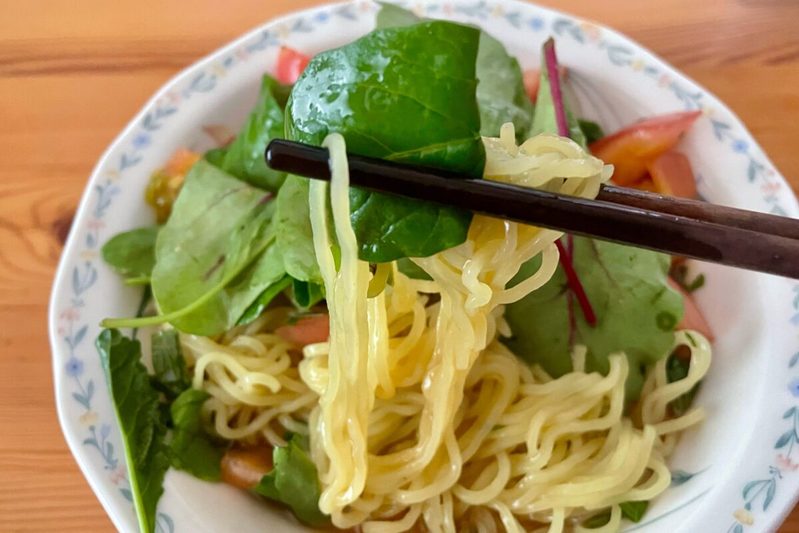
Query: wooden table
{"x":73,"y":73}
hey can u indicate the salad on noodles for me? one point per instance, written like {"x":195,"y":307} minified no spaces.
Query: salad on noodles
{"x":379,"y":364}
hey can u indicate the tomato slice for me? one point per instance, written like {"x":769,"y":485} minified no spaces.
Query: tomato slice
{"x":531,"y":79}
{"x":632,"y":148}
{"x":672,"y":175}
{"x":244,"y":467}
{"x":308,"y":330}
{"x":164,"y":185}
{"x":693,"y":317}
{"x":290,"y":64}
{"x":181,"y":162}
{"x":645,"y":184}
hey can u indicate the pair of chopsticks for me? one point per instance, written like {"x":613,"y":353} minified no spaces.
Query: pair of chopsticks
{"x":690,"y":228}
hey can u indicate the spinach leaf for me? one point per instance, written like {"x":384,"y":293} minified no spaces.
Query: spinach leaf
{"x":679,"y":273}
{"x":191,"y":448}
{"x":402,"y":94}
{"x":596,"y":521}
{"x":294,"y":482}
{"x":633,"y":511}
{"x":244,"y":158}
{"x":137,"y":410}
{"x":500,"y":92}
{"x":216,"y":156}
{"x":591,"y":130}
{"x":305,"y":294}
{"x":636,"y":311}
{"x":294,"y":234}
{"x":389,"y":228}
{"x":544,"y":120}
{"x":265,"y":275}
{"x":214,"y":255}
{"x":677,"y":369}
{"x":261,"y":303}
{"x":144,"y":303}
{"x":132,"y":253}
{"x":171,"y":374}
{"x":411,"y":269}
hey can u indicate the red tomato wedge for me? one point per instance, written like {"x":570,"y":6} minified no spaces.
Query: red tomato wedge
{"x":692,"y":318}
{"x":181,"y":161}
{"x":244,"y":467}
{"x":645,"y":184}
{"x":672,"y":175}
{"x":532,"y":80}
{"x":290,"y":64}
{"x":308,"y":330}
{"x":632,"y":148}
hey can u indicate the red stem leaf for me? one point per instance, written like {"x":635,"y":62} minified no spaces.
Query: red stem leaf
{"x":554,"y":87}
{"x":575,"y":285}
{"x":551,"y":60}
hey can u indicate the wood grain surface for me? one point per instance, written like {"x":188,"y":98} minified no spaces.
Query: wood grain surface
{"x":72,"y":73}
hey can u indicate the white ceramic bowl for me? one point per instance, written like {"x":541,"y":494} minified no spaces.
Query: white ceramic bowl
{"x":736,"y":473}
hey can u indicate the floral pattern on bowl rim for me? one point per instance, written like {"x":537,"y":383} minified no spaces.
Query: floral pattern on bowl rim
{"x":84,"y":410}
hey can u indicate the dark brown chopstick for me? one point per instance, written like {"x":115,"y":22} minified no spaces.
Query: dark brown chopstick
{"x":728,"y":236}
{"x":719,"y":214}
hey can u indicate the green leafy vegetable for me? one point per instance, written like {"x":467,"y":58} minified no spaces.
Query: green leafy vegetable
{"x":144,"y":303}
{"x":261,"y":303}
{"x":244,"y":158}
{"x":677,"y":369}
{"x":191,"y":448}
{"x":137,"y":410}
{"x":305,"y":294}
{"x":591,"y":130}
{"x":500,"y":92}
{"x":132,"y":253}
{"x":411,"y":269}
{"x":633,"y":511}
{"x":216,"y":156}
{"x":636,"y":311}
{"x":267,"y":275}
{"x":294,"y":482}
{"x":596,"y":521}
{"x":294,"y":235}
{"x":679,"y":273}
{"x":137,"y":281}
{"x":697,"y":283}
{"x":402,"y":94}
{"x":214,"y":256}
{"x":544,"y":120}
{"x":389,"y":228}
{"x":168,"y":363}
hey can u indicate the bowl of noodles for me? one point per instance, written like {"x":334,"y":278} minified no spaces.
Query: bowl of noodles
{"x":236,"y":349}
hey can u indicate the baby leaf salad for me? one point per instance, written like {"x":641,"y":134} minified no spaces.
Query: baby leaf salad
{"x":234,"y":234}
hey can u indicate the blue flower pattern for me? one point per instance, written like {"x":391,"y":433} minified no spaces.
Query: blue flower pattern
{"x":74,"y":367}
{"x":756,"y":494}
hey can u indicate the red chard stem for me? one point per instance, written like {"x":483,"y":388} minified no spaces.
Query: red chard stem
{"x":576,"y":286}
{"x":551,"y":60}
